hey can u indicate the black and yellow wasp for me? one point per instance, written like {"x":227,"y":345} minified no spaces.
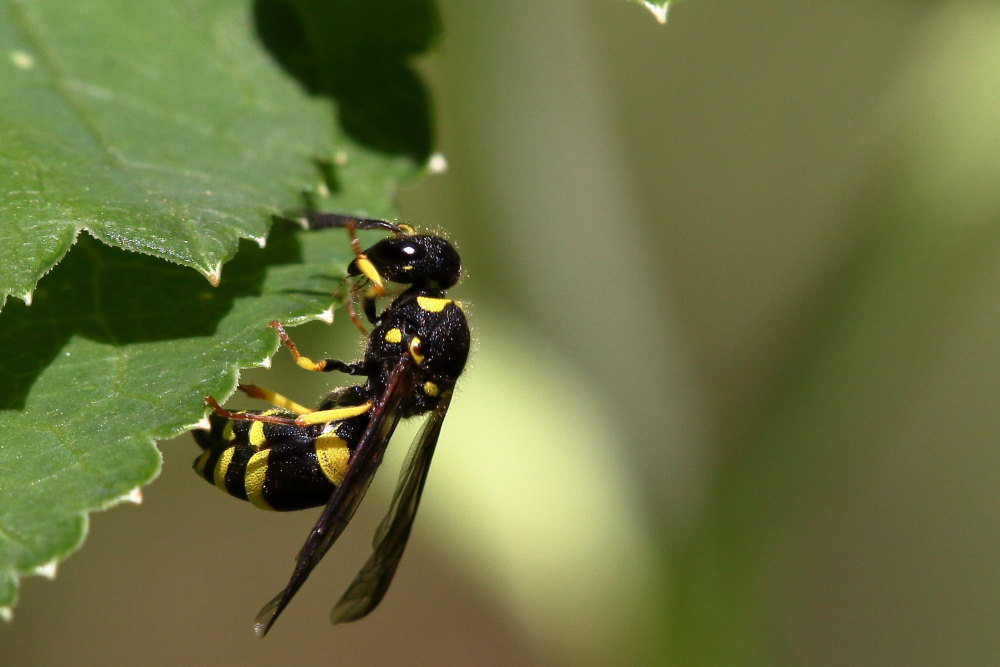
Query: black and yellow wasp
{"x":292,"y":457}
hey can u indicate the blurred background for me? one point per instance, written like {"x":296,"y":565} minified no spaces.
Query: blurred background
{"x":734,"y":396}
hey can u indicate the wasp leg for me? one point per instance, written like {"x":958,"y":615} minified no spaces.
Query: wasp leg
{"x":244,"y":416}
{"x":274,"y":398}
{"x":303,"y":420}
{"x":369,"y":307}
{"x":361,"y":261}
{"x":353,"y":368}
{"x":335,"y":414}
{"x":349,"y":303}
{"x":349,"y":300}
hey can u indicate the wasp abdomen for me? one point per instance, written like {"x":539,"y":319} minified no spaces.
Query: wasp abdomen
{"x":277,"y":466}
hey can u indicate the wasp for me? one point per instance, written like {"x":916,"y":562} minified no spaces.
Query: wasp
{"x":292,"y":457}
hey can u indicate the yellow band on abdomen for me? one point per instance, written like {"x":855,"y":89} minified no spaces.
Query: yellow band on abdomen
{"x":253,"y":479}
{"x":333,"y":456}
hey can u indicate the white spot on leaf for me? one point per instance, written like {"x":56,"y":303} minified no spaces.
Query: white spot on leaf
{"x":22,"y":59}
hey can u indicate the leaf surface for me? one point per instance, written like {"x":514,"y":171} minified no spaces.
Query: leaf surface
{"x":171,"y":131}
{"x":176,"y":129}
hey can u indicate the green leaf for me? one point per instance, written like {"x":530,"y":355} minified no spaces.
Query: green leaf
{"x":173,"y":130}
{"x":169,"y":129}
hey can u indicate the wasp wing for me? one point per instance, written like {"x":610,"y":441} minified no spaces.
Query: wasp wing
{"x":345,"y":500}
{"x":373,"y":580}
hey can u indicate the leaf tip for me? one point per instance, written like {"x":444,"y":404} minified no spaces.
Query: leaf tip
{"x":214,"y":275}
{"x":6,"y":614}
{"x":202,"y":425}
{"x":266,"y":363}
{"x":326,"y":315}
{"x":659,"y":10}
{"x":134,"y":496}
{"x":47,"y":570}
{"x":27,"y":297}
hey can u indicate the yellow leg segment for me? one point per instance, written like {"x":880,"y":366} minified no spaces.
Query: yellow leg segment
{"x":302,"y":361}
{"x":274,"y":398}
{"x":336,"y":414}
{"x":309,"y":364}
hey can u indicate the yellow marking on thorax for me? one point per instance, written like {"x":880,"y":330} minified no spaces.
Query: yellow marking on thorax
{"x":394,"y":335}
{"x":227,"y":431}
{"x":431,"y":389}
{"x":333,"y":456}
{"x":415,"y":350}
{"x":221,"y":466}
{"x":253,"y":479}
{"x":432,"y":304}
